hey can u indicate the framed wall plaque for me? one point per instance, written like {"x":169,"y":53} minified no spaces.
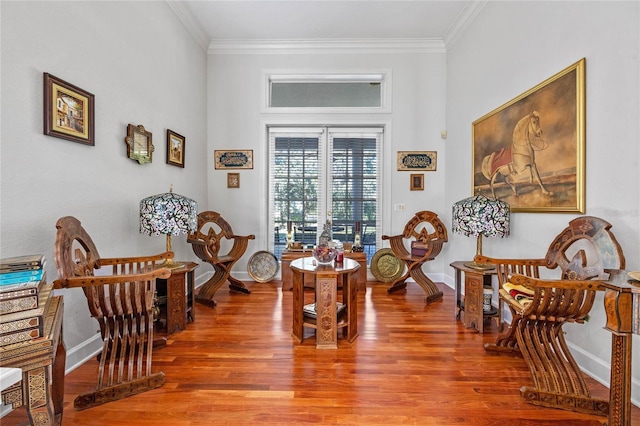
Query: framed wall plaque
{"x":224,"y":159}
{"x":424,"y":161}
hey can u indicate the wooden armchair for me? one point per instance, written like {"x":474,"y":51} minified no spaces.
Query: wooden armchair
{"x":557,"y":379}
{"x":586,"y":249}
{"x":206,"y":243}
{"x":426,"y":234}
{"x":121,"y":302}
{"x":539,"y":308}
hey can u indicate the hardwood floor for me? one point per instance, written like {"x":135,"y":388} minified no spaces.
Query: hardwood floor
{"x":412,"y":364}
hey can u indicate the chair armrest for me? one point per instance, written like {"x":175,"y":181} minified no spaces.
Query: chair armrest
{"x":91,"y":281}
{"x":499,"y":261}
{"x":397,"y":246}
{"x":387,"y":237}
{"x":558,"y":300}
{"x":243,"y":237}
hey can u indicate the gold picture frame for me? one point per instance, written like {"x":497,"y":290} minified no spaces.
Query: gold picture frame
{"x":533,"y":170}
{"x":423,"y":161}
{"x":233,"y":180}
{"x":68,"y":111}
{"x":417,"y":182}
{"x":139,"y":144}
{"x":233,"y":159}
{"x":175,"y":148}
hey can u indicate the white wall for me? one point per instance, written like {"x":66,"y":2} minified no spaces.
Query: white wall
{"x":237,"y":120}
{"x":143,"y":67}
{"x":511,"y":47}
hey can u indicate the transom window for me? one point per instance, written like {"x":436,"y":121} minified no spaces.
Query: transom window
{"x":324,"y":91}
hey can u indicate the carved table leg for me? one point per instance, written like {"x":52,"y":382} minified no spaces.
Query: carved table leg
{"x":39,"y":404}
{"x":620,"y":389}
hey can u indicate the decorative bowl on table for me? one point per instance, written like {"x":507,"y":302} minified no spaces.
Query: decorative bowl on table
{"x":324,"y":254}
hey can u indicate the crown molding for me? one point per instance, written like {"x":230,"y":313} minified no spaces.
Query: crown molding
{"x":326,"y":46}
{"x":190,"y":23}
{"x":462,"y":21}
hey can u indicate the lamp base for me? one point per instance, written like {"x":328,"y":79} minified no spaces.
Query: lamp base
{"x":171,"y":264}
{"x":480,"y":266}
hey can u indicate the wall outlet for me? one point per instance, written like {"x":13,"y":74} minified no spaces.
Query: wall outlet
{"x":398,"y":207}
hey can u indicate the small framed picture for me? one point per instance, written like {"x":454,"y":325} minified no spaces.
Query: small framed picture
{"x":68,"y":111}
{"x":233,"y":180}
{"x":417,"y":182}
{"x":175,"y":148}
{"x":139,"y":144}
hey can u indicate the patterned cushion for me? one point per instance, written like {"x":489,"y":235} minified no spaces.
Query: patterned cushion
{"x":518,"y":295}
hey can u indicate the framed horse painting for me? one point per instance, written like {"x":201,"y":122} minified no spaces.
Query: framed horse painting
{"x":530,"y":152}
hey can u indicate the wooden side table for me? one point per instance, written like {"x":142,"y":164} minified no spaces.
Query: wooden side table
{"x":474,"y":282}
{"x":326,"y":323}
{"x":178,"y":291}
{"x":42,"y":362}
{"x":288,"y":256}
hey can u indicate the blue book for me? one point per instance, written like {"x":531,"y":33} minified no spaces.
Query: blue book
{"x":20,"y":277}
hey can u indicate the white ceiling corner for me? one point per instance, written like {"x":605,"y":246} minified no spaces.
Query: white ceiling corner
{"x":337,"y":26}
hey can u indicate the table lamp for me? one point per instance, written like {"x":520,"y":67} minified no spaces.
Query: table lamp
{"x":168,"y":214}
{"x":478,"y":216}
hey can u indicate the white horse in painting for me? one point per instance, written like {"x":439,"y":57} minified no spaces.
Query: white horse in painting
{"x":519,"y":158}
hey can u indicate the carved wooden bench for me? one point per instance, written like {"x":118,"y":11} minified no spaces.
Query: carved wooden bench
{"x":206,"y":242}
{"x":121,"y":302}
{"x":428,"y":234}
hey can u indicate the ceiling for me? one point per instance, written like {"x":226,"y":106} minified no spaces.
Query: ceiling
{"x":222,"y":20}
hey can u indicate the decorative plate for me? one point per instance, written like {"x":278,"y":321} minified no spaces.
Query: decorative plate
{"x":263,"y":266}
{"x":634,"y":275}
{"x":385,"y":266}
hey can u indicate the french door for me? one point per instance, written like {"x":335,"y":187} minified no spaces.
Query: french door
{"x":320,"y":175}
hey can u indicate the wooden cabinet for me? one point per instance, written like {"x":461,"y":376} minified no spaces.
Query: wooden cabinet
{"x":475,"y":280}
{"x":175,"y":298}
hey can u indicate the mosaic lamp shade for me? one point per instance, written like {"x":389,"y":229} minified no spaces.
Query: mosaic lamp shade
{"x":480,"y":216}
{"x":168,"y":214}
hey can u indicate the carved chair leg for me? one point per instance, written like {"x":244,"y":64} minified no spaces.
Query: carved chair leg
{"x":558,"y":381}
{"x":208,"y":289}
{"x":506,"y":342}
{"x":398,"y":284}
{"x":237,"y":285}
{"x":429,"y":287}
{"x":125,"y":362}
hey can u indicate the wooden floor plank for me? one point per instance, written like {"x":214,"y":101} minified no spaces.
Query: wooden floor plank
{"x":411,"y":364}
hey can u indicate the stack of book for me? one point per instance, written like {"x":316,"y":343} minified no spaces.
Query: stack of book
{"x":24,"y":298}
{"x":310,"y":310}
